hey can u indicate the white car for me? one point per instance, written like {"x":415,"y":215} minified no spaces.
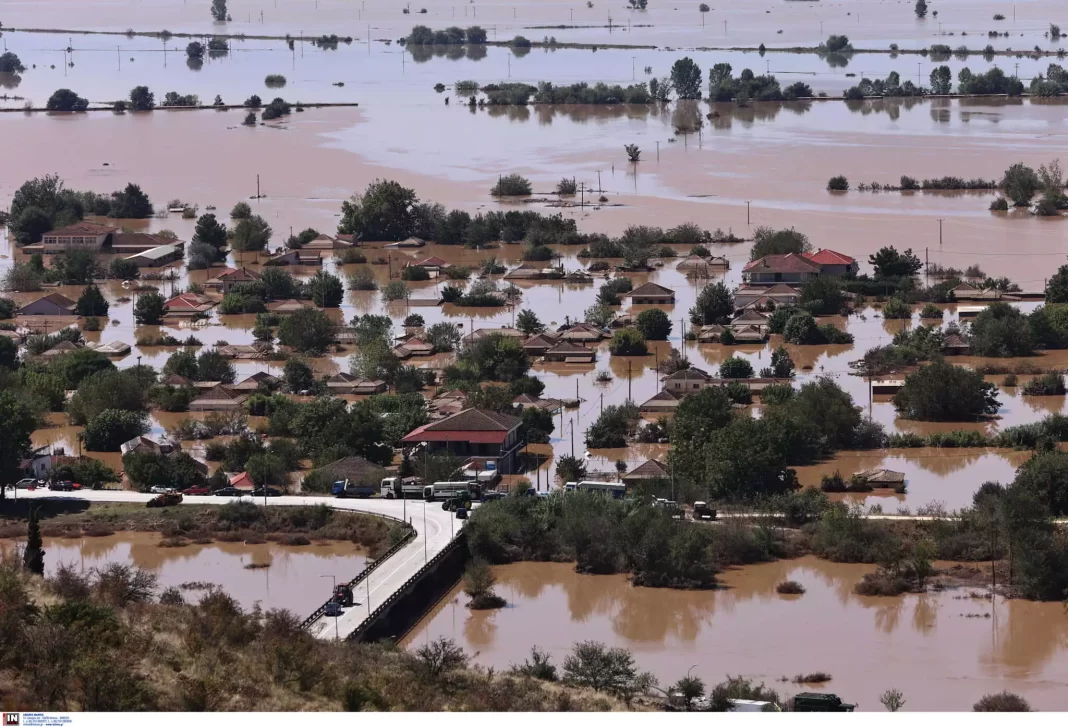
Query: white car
{"x":27,"y":483}
{"x":161,"y":489}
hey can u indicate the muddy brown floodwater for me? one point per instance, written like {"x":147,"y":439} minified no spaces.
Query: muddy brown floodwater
{"x":943,"y":650}
{"x":293,"y":579}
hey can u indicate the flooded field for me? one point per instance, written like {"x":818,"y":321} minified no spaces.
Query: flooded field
{"x":274,"y":575}
{"x":942,"y":650}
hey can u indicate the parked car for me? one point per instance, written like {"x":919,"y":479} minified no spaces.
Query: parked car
{"x":333,"y":608}
{"x":28,"y":483}
{"x":489,"y":495}
{"x":196,"y":490}
{"x":461,"y":513}
{"x":271,"y":492}
{"x":228,"y":492}
{"x":62,"y":486}
{"x":161,"y":489}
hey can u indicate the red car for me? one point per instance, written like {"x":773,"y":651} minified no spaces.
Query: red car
{"x":196,"y":491}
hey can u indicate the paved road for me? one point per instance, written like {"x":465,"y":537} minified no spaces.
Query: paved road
{"x":434,"y":529}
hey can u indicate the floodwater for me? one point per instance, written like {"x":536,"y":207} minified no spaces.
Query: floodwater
{"x":282,"y":576}
{"x":943,"y":650}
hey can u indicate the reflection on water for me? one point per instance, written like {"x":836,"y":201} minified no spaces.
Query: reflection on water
{"x":294,"y":579}
{"x":943,"y":649}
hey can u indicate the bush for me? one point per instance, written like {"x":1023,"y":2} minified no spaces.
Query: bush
{"x":275,"y":80}
{"x":897,"y":309}
{"x":838,"y":184}
{"x":1046,"y":385}
{"x":628,"y":342}
{"x":999,"y":205}
{"x":791,"y":588}
{"x":567,"y":186}
{"x":943,"y":392}
{"x":1002,"y":702}
{"x":511,"y":185}
{"x":654,"y":324}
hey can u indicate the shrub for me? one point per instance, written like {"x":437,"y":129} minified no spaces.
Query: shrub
{"x":943,"y":392}
{"x":511,"y":185}
{"x":628,"y":342}
{"x":1047,"y":385}
{"x":275,"y":80}
{"x":790,"y":588}
{"x":567,"y":186}
{"x":838,"y":184}
{"x":897,"y":309}
{"x":1002,"y":702}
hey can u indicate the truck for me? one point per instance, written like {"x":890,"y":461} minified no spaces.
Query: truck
{"x":342,"y":594}
{"x":401,"y":487}
{"x":819,"y":702}
{"x":702,"y":511}
{"x":446,"y":490}
{"x":348,"y":488}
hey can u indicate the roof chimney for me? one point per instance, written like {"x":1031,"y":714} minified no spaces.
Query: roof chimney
{"x":765,"y":261}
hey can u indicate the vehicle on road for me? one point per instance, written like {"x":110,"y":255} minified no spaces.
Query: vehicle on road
{"x":62,"y":486}
{"x":493,"y":495}
{"x":615,"y":490}
{"x":702,"y":511}
{"x":348,"y":488}
{"x":446,"y":490}
{"x":461,"y":499}
{"x":343,"y":594}
{"x":333,"y":608}
{"x":196,"y":490}
{"x":819,"y":702}
{"x":401,"y":487}
{"x":28,"y":483}
{"x":461,"y":513}
{"x":228,"y":492}
{"x":161,"y":489}
{"x":167,"y":499}
{"x":271,"y":492}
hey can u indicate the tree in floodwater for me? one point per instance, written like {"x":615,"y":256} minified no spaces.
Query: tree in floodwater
{"x":921,"y":9}
{"x":686,"y":78}
{"x":33,"y":556}
{"x":941,"y":81}
{"x":218,"y":11}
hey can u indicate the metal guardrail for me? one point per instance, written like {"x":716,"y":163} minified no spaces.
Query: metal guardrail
{"x":408,"y":537}
{"x":459,"y":541}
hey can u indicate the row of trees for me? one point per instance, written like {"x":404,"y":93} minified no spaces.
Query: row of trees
{"x":44,"y":203}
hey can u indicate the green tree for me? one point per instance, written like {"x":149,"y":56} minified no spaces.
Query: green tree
{"x":628,"y":342}
{"x":384,"y":212}
{"x":1046,"y":476}
{"x":9,"y":354}
{"x":689,"y":688}
{"x":1057,"y":286}
{"x":613,"y":426}
{"x":266,"y":469}
{"x":528,"y":322}
{"x":279,"y":284}
{"x":921,"y":9}
{"x":91,"y":303}
{"x":218,"y":11}
{"x":195,"y":50}
{"x":715,"y":304}
{"x":326,"y":290}
{"x":66,"y":100}
{"x":131,"y":203}
{"x":182,"y":363}
{"x":686,"y":78}
{"x":889,"y":263}
{"x":107,"y":389}
{"x":823,"y":296}
{"x":210,"y":231}
{"x":1003,"y":702}
{"x":251,"y":234}
{"x":309,"y":331}
{"x":10,"y":63}
{"x":942,"y":392}
{"x":241,"y":210}
{"x":769,"y":241}
{"x":123,"y":269}
{"x":782,"y":366}
{"x":17,"y":423}
{"x":141,"y":99}
{"x":298,"y":376}
{"x":110,"y":428}
{"x":941,"y":81}
{"x":654,"y":324}
{"x":212,"y":366}
{"x":491,"y":358}
{"x":1000,"y":331}
{"x":735,"y":368}
{"x":33,"y":556}
{"x":444,"y":336}
{"x":1020,"y":184}
{"x":149,"y":310}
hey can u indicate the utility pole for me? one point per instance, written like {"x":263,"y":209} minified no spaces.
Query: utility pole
{"x":927,"y":267}
{"x":658,"y":151}
{"x":632,"y":73}
{"x":602,"y":402}
{"x":940,"y":221}
{"x":572,"y":423}
{"x":747,"y":218}
{"x":629,"y":397}
{"x":582,"y":194}
{"x":599,"y":189}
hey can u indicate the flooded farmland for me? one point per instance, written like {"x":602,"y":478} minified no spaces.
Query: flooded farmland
{"x":271,"y":574}
{"x":941,"y":649}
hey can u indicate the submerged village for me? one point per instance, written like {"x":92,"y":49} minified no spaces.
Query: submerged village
{"x":432,"y":368}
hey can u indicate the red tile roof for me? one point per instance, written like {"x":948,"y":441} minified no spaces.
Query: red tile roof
{"x":480,"y":426}
{"x":187,"y":301}
{"x":790,"y":263}
{"x":828,"y":257}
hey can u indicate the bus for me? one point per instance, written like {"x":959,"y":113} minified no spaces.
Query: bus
{"x":445,"y":490}
{"x":617,"y":490}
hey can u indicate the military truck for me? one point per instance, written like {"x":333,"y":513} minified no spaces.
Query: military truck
{"x":817,"y":702}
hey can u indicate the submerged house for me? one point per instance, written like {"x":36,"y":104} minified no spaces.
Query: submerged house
{"x":53,"y":304}
{"x":772,"y":269}
{"x":568,"y":352}
{"x":491,"y":436}
{"x":651,"y":294}
{"x":228,"y":278}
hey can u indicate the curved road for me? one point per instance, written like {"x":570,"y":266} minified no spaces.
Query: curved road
{"x":434,"y":529}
